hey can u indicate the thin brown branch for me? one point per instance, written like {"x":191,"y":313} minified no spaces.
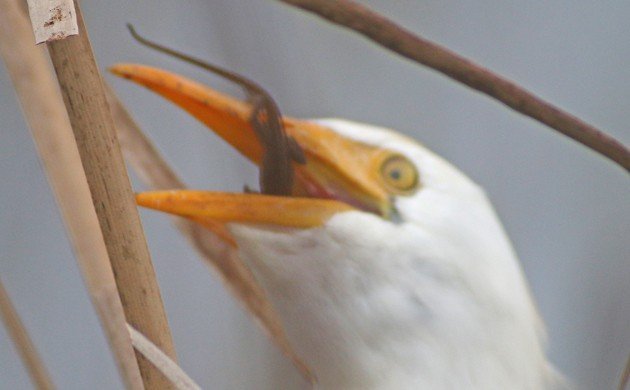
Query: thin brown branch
{"x":156,"y":174}
{"x":23,"y":343}
{"x":46,"y":115}
{"x":93,"y":127}
{"x":388,"y":34}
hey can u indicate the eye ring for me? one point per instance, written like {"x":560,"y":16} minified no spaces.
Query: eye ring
{"x":399,"y":174}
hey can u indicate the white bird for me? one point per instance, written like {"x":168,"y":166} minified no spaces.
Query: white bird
{"x":387,"y":266}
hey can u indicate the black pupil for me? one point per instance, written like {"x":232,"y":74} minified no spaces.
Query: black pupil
{"x":395,"y":174}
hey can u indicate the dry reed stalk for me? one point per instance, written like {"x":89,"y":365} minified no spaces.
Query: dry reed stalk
{"x":34,"y":364}
{"x":46,"y":115}
{"x":93,"y":128}
{"x":351,"y":14}
{"x":156,"y":174}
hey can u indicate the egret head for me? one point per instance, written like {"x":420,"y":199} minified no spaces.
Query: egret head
{"x":347,"y":166}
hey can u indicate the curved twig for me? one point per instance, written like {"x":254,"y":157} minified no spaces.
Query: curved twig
{"x":388,"y":34}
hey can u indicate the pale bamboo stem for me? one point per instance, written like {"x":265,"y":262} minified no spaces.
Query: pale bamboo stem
{"x":93,"y":128}
{"x":46,"y":115}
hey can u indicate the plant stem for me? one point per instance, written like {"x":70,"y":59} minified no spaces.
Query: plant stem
{"x":46,"y":115}
{"x":93,"y":127}
{"x":388,"y":34}
{"x":23,"y":343}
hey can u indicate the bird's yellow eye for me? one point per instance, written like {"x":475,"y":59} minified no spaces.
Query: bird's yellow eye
{"x":399,"y":174}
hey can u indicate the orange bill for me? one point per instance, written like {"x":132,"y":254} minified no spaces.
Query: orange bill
{"x":204,"y":206}
{"x":339,"y":173}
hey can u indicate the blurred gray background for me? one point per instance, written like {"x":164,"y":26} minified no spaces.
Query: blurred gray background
{"x":565,"y":208}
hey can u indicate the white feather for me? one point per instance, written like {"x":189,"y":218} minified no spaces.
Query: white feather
{"x":435,"y":301}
